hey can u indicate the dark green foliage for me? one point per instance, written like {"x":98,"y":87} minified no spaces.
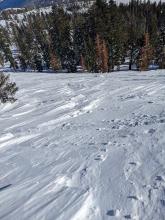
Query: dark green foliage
{"x":5,"y":52}
{"x":7,"y":89}
{"x":38,"y":63}
{"x":68,"y":36}
{"x":160,"y":49}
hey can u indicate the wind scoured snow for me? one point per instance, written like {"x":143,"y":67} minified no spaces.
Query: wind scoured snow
{"x":84,"y":147}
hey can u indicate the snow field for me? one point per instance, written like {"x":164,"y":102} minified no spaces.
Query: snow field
{"x":84,"y":146}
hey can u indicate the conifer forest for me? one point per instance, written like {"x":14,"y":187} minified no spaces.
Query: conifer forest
{"x":100,"y":38}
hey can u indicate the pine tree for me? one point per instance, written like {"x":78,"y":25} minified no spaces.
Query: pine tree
{"x":7,"y":89}
{"x":61,"y":38}
{"x":105,"y":57}
{"x":146,"y":54}
{"x":102,"y":55}
{"x":54,"y":62}
{"x":82,"y":62}
{"x":5,"y":51}
{"x":22,"y":62}
{"x":99,"y":53}
{"x":160,"y":49}
{"x":38,"y":62}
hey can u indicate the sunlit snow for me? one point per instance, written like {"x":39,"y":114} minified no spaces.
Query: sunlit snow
{"x":84,"y":146}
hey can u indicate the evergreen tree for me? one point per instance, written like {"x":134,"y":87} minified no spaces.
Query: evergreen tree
{"x":160,"y":49}
{"x":7,"y":89}
{"x":146,"y":54}
{"x":54,"y":62}
{"x":38,"y":62}
{"x":5,"y":51}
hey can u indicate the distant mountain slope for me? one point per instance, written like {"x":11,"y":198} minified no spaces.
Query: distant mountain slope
{"x":12,"y":4}
{"x":22,"y":3}
{"x":4,"y":4}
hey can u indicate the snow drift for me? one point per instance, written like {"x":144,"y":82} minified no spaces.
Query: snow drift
{"x":84,"y":146}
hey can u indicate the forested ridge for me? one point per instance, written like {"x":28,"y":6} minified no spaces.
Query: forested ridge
{"x":99,"y":39}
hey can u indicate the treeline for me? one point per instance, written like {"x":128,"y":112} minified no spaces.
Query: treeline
{"x":99,"y":39}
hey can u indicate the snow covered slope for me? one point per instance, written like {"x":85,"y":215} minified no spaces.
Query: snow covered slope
{"x":84,"y":146}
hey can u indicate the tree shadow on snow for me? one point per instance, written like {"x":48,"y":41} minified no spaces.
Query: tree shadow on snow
{"x":5,"y":187}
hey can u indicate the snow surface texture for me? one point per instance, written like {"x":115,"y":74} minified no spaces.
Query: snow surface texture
{"x":84,"y":147}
